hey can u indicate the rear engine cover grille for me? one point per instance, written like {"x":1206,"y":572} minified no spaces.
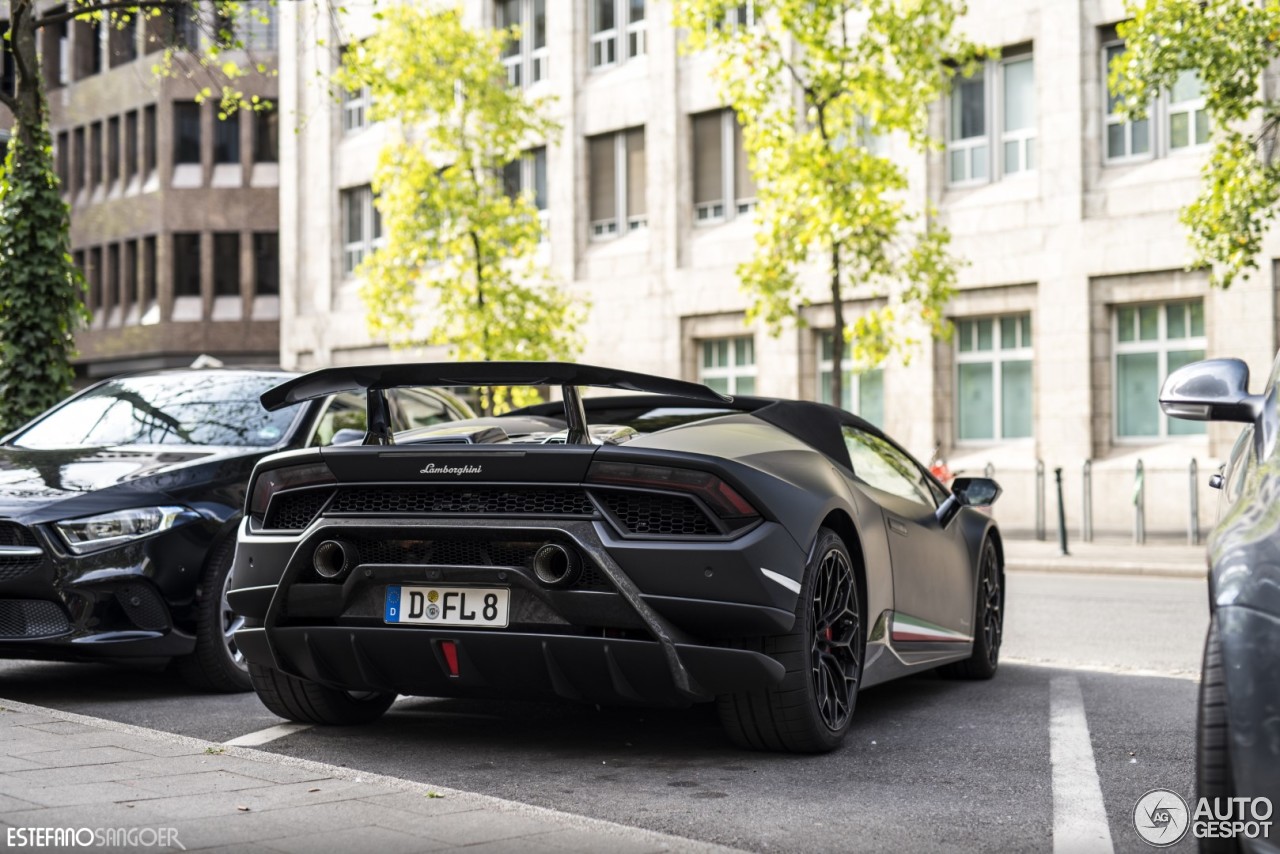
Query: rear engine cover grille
{"x":11,"y":567}
{"x":650,"y":513}
{"x":294,"y":511}
{"x":32,"y":618}
{"x":454,"y":501}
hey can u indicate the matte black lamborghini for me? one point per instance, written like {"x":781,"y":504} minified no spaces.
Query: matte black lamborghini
{"x":773,"y":556}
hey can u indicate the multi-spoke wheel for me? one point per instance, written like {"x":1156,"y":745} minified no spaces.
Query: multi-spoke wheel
{"x":217,"y":663}
{"x":810,"y":710}
{"x":988,"y":622}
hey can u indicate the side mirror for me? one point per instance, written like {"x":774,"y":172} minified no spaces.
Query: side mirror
{"x":1212,"y":390}
{"x":347,"y":436}
{"x":968,"y":492}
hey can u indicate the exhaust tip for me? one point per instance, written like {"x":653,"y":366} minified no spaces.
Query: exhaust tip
{"x":333,"y":559}
{"x":556,"y":566}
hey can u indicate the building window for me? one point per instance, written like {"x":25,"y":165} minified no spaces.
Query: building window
{"x":79,"y":162}
{"x":94,"y":276}
{"x":722,"y":183}
{"x":1125,"y":139}
{"x":129,"y":275}
{"x":63,"y":160}
{"x":1178,"y":114}
{"x":266,"y":136}
{"x":258,"y":25}
{"x":617,"y":181}
{"x":130,"y":145}
{"x":226,"y":139}
{"x":147,"y":291}
{"x":1188,"y":121}
{"x":355,"y":105}
{"x":1151,"y":341}
{"x":993,"y":378}
{"x":226,"y":264}
{"x":113,"y":149}
{"x":266,"y":263}
{"x":186,"y":132}
{"x":123,"y":38}
{"x":361,"y":227}
{"x":728,"y":365}
{"x":525,"y":57}
{"x":186,"y":264}
{"x":95,"y":154}
{"x":974,"y":114}
{"x":149,"y":147}
{"x":528,"y":174}
{"x":866,"y":389}
{"x":111,"y":277}
{"x":609,"y":18}
{"x":8,"y":70}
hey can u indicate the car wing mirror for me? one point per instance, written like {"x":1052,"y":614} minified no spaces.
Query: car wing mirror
{"x":968,"y":492}
{"x":1211,"y":390}
{"x":347,"y":436}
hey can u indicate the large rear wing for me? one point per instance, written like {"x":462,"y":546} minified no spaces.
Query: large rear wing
{"x":374,"y":380}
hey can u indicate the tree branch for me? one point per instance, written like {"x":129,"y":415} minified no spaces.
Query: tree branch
{"x":109,"y":6}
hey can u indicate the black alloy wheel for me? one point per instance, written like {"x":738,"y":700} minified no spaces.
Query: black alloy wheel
{"x":837,"y":641}
{"x":988,"y":622}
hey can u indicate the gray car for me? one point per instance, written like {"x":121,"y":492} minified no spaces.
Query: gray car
{"x":1238,"y":729}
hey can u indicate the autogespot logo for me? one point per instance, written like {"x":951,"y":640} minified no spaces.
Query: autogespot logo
{"x":1161,"y":818}
{"x":432,"y":468}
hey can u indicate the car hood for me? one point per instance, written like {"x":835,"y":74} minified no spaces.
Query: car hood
{"x":37,"y":485}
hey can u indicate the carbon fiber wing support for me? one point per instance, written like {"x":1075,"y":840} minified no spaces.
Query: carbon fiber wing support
{"x":374,"y":380}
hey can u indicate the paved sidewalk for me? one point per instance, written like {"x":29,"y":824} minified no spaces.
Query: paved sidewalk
{"x":60,"y":770}
{"x":1107,"y":558}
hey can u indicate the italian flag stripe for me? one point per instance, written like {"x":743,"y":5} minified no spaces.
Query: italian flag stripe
{"x":914,"y":629}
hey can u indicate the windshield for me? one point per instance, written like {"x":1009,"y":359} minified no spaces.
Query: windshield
{"x":166,"y":409}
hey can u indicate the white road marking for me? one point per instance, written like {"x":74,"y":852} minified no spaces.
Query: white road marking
{"x":1115,"y":670}
{"x":264,"y":736}
{"x":1079,"y":814}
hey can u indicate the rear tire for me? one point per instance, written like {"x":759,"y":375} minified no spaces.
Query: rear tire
{"x":216,"y":664}
{"x":810,"y":710}
{"x":988,"y":621}
{"x":1213,"y":757}
{"x":312,"y":703}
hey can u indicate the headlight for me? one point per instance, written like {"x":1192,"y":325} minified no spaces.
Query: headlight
{"x":94,"y":533}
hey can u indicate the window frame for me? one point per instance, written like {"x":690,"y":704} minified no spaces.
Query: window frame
{"x":621,"y":35}
{"x":527,"y":178}
{"x":1109,"y":118}
{"x":853,"y":384}
{"x":731,"y":371}
{"x":996,"y":356}
{"x":1160,"y":114}
{"x":529,"y":65}
{"x":994,"y":136}
{"x":1161,"y":345}
{"x":1191,"y":107}
{"x":623,"y":223}
{"x":371,"y":238}
{"x":731,"y":205}
{"x":356,"y":103}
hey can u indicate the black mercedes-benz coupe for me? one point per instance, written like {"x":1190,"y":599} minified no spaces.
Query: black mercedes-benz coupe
{"x":669,"y":548}
{"x":119,"y":506}
{"x":1238,"y":743}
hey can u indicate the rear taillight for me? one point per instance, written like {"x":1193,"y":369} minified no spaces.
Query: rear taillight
{"x":722,"y":498}
{"x":290,"y":477}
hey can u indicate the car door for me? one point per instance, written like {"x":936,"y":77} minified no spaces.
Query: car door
{"x":932,"y":575}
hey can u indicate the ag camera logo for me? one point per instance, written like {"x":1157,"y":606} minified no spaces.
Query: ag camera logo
{"x":1161,"y":818}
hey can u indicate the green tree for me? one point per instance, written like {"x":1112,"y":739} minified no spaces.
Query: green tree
{"x":41,"y":304}
{"x":810,"y":80}
{"x":459,"y":266}
{"x":1228,"y":44}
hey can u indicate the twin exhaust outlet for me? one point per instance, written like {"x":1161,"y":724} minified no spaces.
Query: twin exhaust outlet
{"x":553,"y":565}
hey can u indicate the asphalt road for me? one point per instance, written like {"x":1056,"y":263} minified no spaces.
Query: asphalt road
{"x":931,"y":764}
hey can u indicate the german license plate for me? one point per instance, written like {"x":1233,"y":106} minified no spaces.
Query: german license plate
{"x":448,"y":606}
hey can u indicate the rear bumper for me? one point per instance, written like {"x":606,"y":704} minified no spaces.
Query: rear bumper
{"x":501,"y":664}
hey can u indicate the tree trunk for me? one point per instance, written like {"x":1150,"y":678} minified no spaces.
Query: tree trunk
{"x":837,"y":333}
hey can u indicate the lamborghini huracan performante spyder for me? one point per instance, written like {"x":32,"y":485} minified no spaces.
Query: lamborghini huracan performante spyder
{"x":663,"y":548}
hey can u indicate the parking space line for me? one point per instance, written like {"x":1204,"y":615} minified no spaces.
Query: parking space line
{"x":264,"y":736}
{"x":1079,"y":814}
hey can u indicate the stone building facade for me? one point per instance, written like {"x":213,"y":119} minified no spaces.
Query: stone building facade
{"x":1073,"y":304}
{"x":173,"y":211}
